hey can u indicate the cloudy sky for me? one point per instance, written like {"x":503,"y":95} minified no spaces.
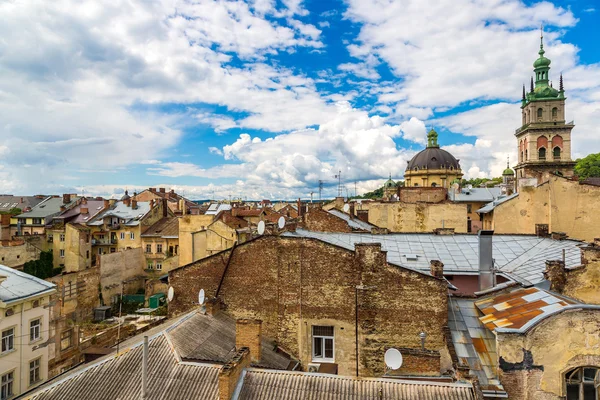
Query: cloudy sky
{"x":264,"y":98}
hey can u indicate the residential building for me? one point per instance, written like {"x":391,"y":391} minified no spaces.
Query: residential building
{"x":178,"y":204}
{"x":474,"y":198}
{"x":544,"y":138}
{"x":34,"y":221}
{"x":160,"y":243}
{"x":432,"y":166}
{"x":10,"y":202}
{"x":24,"y":329}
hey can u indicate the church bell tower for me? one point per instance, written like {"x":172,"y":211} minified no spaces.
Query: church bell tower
{"x":544,"y":139}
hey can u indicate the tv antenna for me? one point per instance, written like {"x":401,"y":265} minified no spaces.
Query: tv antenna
{"x":339,"y":178}
{"x":346,"y":208}
{"x":201,"y":299}
{"x":170,"y":294}
{"x":311,"y":196}
{"x":261,"y":227}
{"x":281,"y":222}
{"x":393,"y":359}
{"x":320,"y":189}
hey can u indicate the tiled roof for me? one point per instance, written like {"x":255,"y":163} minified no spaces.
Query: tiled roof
{"x":353,"y":223}
{"x":20,"y":285}
{"x":475,"y":194}
{"x":212,"y":338}
{"x":518,"y":307}
{"x":289,"y":385}
{"x":119,"y":378}
{"x":521,"y":257}
{"x":490,"y":206}
{"x":164,"y":227}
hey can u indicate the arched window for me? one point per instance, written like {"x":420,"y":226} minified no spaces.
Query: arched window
{"x":554,"y":112}
{"x":583,"y":383}
{"x":540,"y":112}
{"x":526,"y":156}
{"x":416,"y":168}
{"x":542,"y":153}
{"x":521,"y":156}
{"x":433,"y":184}
{"x":556,"y":153}
{"x":416,"y":184}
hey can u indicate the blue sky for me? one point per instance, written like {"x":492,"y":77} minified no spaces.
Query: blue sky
{"x":264,"y":98}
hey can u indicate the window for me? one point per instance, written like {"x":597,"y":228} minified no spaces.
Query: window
{"x":37,"y":221}
{"x":100,"y":251}
{"x":148,"y":248}
{"x":6,"y":390}
{"x":540,"y":112}
{"x":65,"y":339}
{"x":8,"y":340}
{"x":131,"y":235}
{"x":322,"y":343}
{"x":416,"y":184}
{"x":34,"y":371}
{"x":34,"y":330}
{"x":583,"y":383}
{"x":554,"y":112}
{"x":150,"y":265}
{"x":87,"y":254}
{"x":469,"y":208}
{"x":556,"y":153}
{"x":434,"y":184}
{"x":158,"y":266}
{"x":113,"y":250}
{"x":159,"y":248}
{"x":542,"y":154}
{"x":62,"y":253}
{"x":62,"y":237}
{"x":9,"y":312}
{"x":35,"y":304}
{"x":122,"y":235}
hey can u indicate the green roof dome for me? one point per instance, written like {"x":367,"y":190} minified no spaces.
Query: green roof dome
{"x":508,"y":171}
{"x":542,"y":61}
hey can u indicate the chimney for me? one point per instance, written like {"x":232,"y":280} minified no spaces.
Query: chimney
{"x":134,"y":204}
{"x":127,"y":202}
{"x":162,"y":190}
{"x":83,"y":210}
{"x":248,"y":334}
{"x":83,"y":200}
{"x":590,"y":252}
{"x":145,"y":368}
{"x":352,"y":209}
{"x":151,"y":204}
{"x":66,"y":198}
{"x":556,"y":273}
{"x":486,"y":262}
{"x":153,"y":190}
{"x":213,"y":306}
{"x":182,"y":206}
{"x":111,"y":202}
{"x":164,"y":208}
{"x":230,"y":373}
{"x":437,"y":268}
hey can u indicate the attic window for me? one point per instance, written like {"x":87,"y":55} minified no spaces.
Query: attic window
{"x":411,"y":257}
{"x":433,"y":159}
{"x":42,"y":206}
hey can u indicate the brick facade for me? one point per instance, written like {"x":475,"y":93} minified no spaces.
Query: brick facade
{"x":319,"y":220}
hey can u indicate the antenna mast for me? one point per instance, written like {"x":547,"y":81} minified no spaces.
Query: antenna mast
{"x":320,"y":189}
{"x":339,"y":178}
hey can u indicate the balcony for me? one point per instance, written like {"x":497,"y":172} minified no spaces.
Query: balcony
{"x":103,"y":242}
{"x":115,"y":226}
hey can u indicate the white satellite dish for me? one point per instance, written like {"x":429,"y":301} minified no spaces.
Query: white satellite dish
{"x":281,"y":222}
{"x":201,"y":297}
{"x":393,"y":359}
{"x":170,"y":293}
{"x":346,"y":208}
{"x":261,"y":227}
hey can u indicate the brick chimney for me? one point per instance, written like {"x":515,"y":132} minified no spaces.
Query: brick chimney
{"x":230,"y":373}
{"x":83,"y":200}
{"x":248,"y":334}
{"x":134,"y":204}
{"x":162,"y":190}
{"x":352,"y":209}
{"x":437,"y":268}
{"x":83,"y":210}
{"x":66,"y":198}
{"x":127,"y":202}
{"x":234,"y":211}
{"x":591,"y":252}
{"x":165,"y":207}
{"x":153,"y":190}
{"x":213,"y":306}
{"x":556,"y":273}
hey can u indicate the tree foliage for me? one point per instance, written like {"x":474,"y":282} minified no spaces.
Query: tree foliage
{"x":476,"y":182}
{"x":12,"y":211}
{"x":43,"y":267}
{"x":588,"y":167}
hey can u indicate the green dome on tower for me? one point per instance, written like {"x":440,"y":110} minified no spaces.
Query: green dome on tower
{"x":508,"y":171}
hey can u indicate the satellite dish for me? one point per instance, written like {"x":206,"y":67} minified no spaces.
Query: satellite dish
{"x":281,"y":222}
{"x":393,"y":359}
{"x":261,"y":227}
{"x":201,"y":297}
{"x":346,"y":208}
{"x":170,"y":293}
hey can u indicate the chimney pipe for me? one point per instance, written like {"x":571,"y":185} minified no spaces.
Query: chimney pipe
{"x":145,"y":368}
{"x":486,"y":262}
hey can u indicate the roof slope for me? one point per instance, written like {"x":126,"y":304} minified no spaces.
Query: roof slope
{"x":353,"y":223}
{"x":47,"y":208}
{"x":8,"y":201}
{"x":122,"y":211}
{"x":167,"y":226}
{"x":475,"y":194}
{"x":212,"y":338}
{"x":20,"y":285}
{"x":522,"y":257}
{"x":262,"y":384}
{"x":119,"y":378}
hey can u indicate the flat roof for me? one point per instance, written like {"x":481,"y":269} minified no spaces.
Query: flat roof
{"x":19,"y":285}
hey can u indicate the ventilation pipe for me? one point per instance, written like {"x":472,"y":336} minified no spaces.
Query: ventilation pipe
{"x":486,"y":262}
{"x":145,"y":369}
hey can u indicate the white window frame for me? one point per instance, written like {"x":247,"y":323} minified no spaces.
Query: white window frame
{"x":148,"y":248}
{"x":131,"y":235}
{"x":62,"y":237}
{"x":122,"y":235}
{"x":62,"y":253}
{"x":35,"y":331}
{"x":159,"y":247}
{"x":9,"y":339}
{"x":150,"y":265}
{"x":7,"y":385}
{"x":158,"y":266}
{"x":36,"y":369}
{"x":324,"y":338}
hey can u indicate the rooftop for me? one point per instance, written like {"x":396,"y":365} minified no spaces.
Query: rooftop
{"x":520,"y":257}
{"x":124,"y":212}
{"x":8,"y":201}
{"x":353,"y":223}
{"x":75,"y":216}
{"x":216,"y":208}
{"x":490,"y":206}
{"x":164,"y":227}
{"x":475,"y":194}
{"x":48,"y":208}
{"x":19,"y":285}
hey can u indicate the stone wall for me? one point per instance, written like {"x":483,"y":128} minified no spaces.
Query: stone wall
{"x":533,"y":365}
{"x":419,"y":217}
{"x":422,"y":194}
{"x":124,"y":268}
{"x":77,"y":293}
{"x":582,"y":283}
{"x":292,"y":284}
{"x":15,"y":253}
{"x":319,"y":220}
{"x":78,"y":248}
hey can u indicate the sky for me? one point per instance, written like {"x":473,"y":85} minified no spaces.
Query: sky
{"x":265,"y":98}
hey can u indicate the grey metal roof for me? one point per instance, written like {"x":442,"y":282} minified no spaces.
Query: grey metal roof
{"x":216,"y":208}
{"x":119,"y":378}
{"x":521,"y":257}
{"x":212,"y":338}
{"x":290,"y":385}
{"x":48,"y":208}
{"x":20,"y":285}
{"x":8,"y":201}
{"x":490,"y":206}
{"x":125,"y":212}
{"x":475,"y":194}
{"x":353,"y":223}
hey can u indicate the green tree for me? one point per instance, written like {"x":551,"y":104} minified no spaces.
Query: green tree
{"x":588,"y":167}
{"x":12,"y":211}
{"x":42,"y":268}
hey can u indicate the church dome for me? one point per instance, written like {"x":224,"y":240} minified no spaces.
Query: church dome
{"x":508,"y":171}
{"x":433,"y":158}
{"x":541,"y":62}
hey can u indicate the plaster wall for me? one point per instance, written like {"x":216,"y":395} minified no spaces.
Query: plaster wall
{"x":419,"y":217}
{"x":188,"y":243}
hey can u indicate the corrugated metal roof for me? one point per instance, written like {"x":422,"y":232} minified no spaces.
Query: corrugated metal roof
{"x":490,"y":206}
{"x":270,"y":385}
{"x":20,"y":285}
{"x":353,"y":223}
{"x":475,"y":194}
{"x":212,"y":338}
{"x":216,"y":208}
{"x":522,"y":257}
{"x":119,"y":378}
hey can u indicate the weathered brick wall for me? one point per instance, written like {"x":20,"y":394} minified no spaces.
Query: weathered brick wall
{"x":16,"y":253}
{"x":293,"y":283}
{"x":422,"y":194}
{"x":248,"y":334}
{"x":116,"y":268}
{"x":319,"y":220}
{"x":418,"y":362}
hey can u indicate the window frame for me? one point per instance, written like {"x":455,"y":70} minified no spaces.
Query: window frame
{"x":9,"y":338}
{"x":576,"y":377}
{"x":122,"y":235}
{"x":61,"y":253}
{"x":148,"y":248}
{"x":324,"y":338}
{"x":159,"y":247}
{"x":61,"y":237}
{"x":68,"y":336}
{"x":8,"y":394}
{"x":36,"y":369}
{"x":33,"y":328}
{"x":158,"y":266}
{"x":131,"y":236}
